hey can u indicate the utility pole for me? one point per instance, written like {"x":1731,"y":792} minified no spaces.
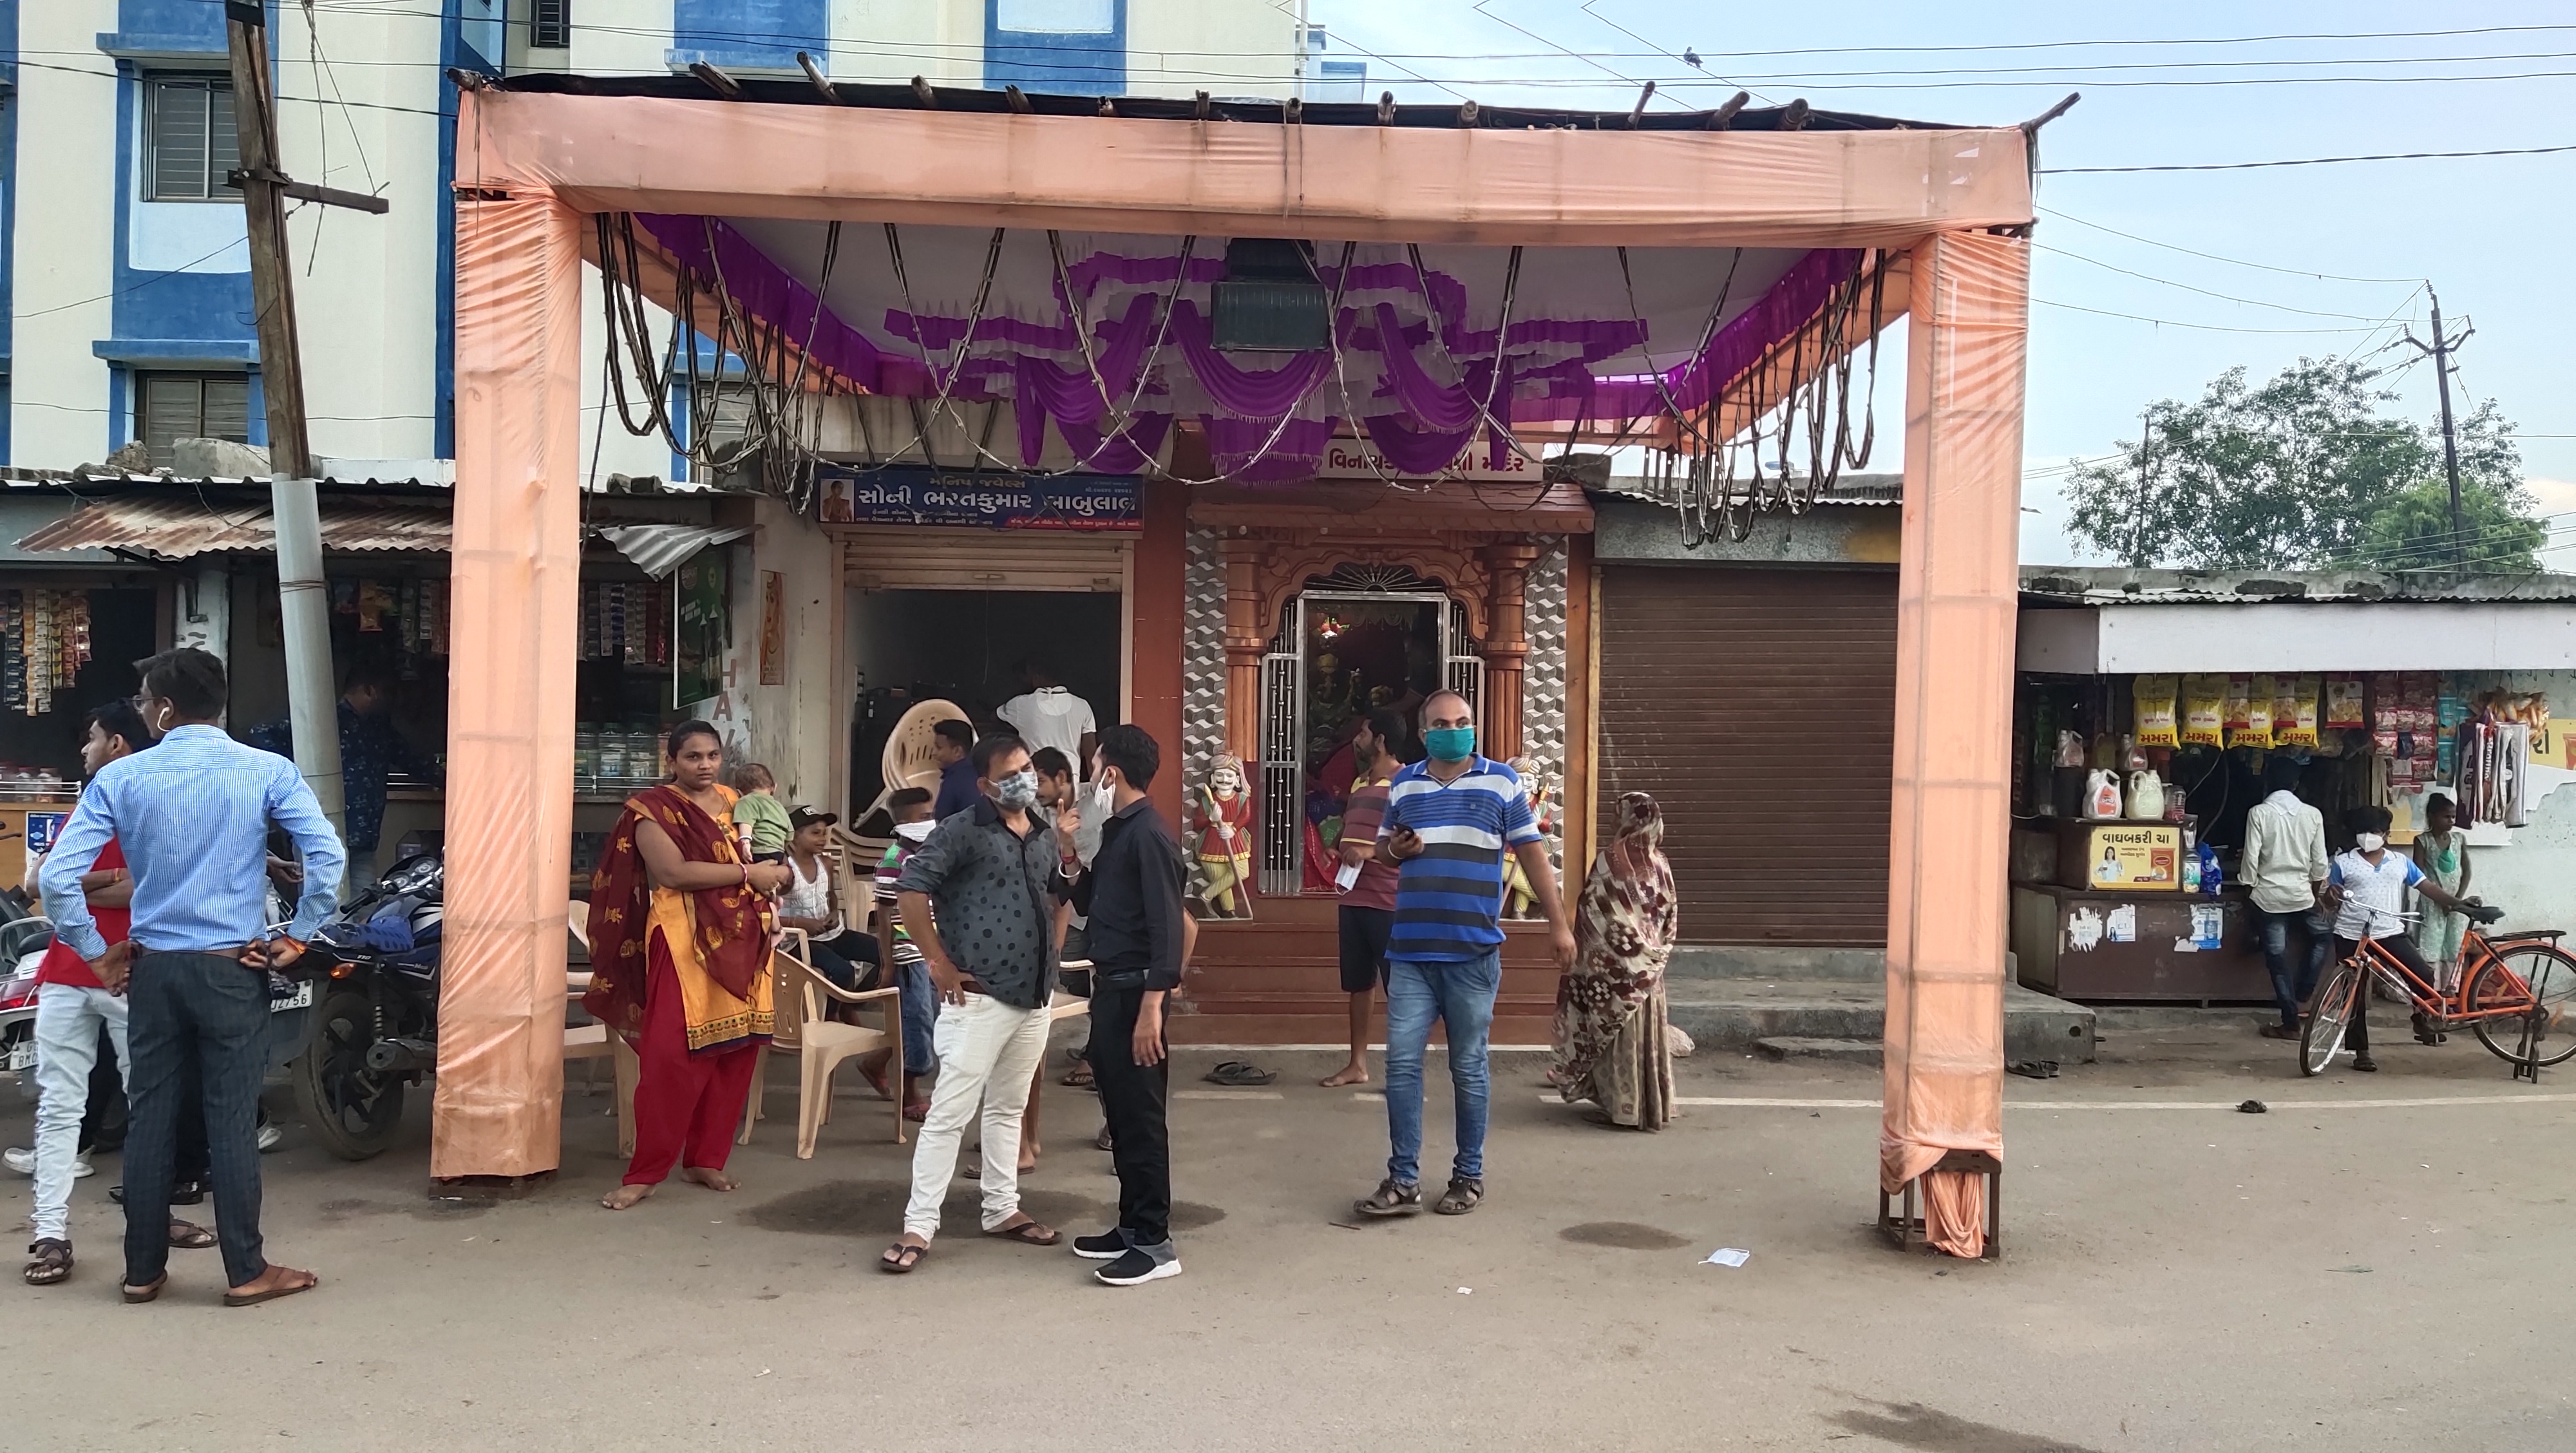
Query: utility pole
{"x":294,"y":506}
{"x":2440,"y":351}
{"x":2146,"y":449}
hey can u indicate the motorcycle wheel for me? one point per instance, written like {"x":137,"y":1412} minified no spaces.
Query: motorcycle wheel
{"x":352,"y":1110}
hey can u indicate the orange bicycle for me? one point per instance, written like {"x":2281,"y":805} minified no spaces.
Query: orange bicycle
{"x":2516,"y":990}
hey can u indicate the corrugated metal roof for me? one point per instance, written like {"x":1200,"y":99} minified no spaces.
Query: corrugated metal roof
{"x":168,"y":528}
{"x":2120,"y":585}
{"x":659,"y":549}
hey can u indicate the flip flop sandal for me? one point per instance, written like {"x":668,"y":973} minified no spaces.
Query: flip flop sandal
{"x":48,"y":1261}
{"x":1102,"y":1140}
{"x":901,"y":1258}
{"x":137,"y":1296}
{"x":1239,"y":1074}
{"x":917,"y":1113}
{"x":253,"y":1299}
{"x":189,"y":1236}
{"x":1029,"y":1233}
{"x":1079,"y":1077}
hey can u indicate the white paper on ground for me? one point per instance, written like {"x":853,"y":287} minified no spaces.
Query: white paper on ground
{"x":1727,"y":1256}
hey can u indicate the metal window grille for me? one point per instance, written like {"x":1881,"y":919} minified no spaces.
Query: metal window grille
{"x":170,"y":407}
{"x":190,"y":140}
{"x":550,"y":24}
{"x":1466,"y":662}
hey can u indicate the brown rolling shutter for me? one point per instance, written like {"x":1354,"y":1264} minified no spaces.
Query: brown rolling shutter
{"x":1758,"y":706}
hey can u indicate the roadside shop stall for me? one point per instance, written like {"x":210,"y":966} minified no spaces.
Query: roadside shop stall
{"x":2150,"y":705}
{"x":1213,"y":298}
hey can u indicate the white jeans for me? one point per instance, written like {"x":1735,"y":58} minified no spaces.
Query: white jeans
{"x":68,"y":1019}
{"x":988,"y":1051}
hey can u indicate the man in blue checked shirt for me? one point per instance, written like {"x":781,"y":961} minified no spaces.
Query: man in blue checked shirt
{"x":193,"y":815}
{"x":1449,"y":820}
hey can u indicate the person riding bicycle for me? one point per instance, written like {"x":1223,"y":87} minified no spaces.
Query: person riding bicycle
{"x":2366,"y":888}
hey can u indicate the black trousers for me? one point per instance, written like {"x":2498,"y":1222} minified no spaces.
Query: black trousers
{"x":203,"y":1016}
{"x":1132,"y":1097}
{"x":2399,"y":947}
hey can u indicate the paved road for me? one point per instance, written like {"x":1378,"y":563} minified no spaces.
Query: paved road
{"x":2332,"y":1275}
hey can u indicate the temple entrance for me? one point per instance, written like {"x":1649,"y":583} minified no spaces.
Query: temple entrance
{"x":1342,"y":651}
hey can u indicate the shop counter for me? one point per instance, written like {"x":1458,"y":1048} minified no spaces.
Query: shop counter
{"x":2089,"y":945}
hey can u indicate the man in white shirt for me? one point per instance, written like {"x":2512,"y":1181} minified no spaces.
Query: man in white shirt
{"x":1047,"y":715}
{"x":2284,"y":867}
{"x":2367,"y":889}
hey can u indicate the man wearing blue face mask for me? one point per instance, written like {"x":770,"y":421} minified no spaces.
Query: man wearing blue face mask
{"x":1449,"y":820}
{"x":978,"y":896}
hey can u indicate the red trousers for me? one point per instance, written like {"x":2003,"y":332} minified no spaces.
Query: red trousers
{"x":687,"y":1106}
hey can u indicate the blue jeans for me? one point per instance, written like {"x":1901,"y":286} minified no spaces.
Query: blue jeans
{"x":920,"y":1016}
{"x":1460,"y":994}
{"x":2288,"y":993}
{"x":201,"y":1017}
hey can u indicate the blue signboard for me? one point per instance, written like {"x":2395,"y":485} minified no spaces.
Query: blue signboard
{"x":916,"y":495}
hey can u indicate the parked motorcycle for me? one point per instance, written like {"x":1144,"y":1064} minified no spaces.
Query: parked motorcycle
{"x":372,"y":974}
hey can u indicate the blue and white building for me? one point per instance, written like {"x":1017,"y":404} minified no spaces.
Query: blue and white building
{"x":127,"y":314}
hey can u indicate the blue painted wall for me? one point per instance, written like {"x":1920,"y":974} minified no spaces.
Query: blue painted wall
{"x":456,"y":50}
{"x":168,"y":27}
{"x":1092,"y":64}
{"x":751,"y":33}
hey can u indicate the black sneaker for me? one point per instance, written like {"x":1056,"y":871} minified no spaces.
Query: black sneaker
{"x":1391,"y":1198}
{"x":2365,"y":1064}
{"x":1136,"y":1268}
{"x":1108,"y":1247}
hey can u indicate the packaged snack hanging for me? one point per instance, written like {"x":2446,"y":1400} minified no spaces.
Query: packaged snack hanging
{"x":2344,"y":709}
{"x":2204,"y":711}
{"x":2294,"y":710}
{"x":2249,"y":711}
{"x":2152,"y":711}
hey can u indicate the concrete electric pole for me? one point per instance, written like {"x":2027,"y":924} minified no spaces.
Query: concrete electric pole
{"x":304,"y":598}
{"x":2440,"y":351}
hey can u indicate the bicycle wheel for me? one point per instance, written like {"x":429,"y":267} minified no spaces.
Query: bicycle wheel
{"x":2329,"y":1016}
{"x":2551,"y":974}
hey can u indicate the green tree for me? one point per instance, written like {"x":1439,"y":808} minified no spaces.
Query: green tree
{"x":2302,"y":472}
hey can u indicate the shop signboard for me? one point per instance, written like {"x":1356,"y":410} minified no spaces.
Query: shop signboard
{"x":42,"y":829}
{"x":1359,"y":459}
{"x":917,"y":495}
{"x":706,"y":625}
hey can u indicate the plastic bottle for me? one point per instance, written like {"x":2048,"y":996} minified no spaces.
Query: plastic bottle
{"x":2191,"y":872}
{"x":2211,"y":879}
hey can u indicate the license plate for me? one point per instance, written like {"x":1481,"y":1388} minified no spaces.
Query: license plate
{"x":22,"y":1055}
{"x":299,"y":997}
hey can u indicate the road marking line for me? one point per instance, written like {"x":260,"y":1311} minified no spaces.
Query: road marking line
{"x":1754,"y":1102}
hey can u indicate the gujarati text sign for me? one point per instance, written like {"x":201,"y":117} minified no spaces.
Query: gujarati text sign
{"x":913,"y":495}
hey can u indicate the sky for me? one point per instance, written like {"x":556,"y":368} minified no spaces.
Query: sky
{"x":2342,"y":251}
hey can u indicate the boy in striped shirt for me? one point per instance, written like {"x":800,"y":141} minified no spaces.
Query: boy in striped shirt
{"x":1449,"y":820}
{"x":910,"y":809}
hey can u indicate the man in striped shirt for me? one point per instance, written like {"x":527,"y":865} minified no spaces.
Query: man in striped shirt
{"x":1449,"y":820}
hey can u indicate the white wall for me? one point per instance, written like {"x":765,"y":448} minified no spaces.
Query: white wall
{"x":621,"y":37}
{"x":66,"y":236}
{"x":797,"y":727}
{"x":1223,"y":47}
{"x":889,"y":42}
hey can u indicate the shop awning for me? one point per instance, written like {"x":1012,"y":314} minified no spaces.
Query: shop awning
{"x":161,"y":527}
{"x":659,"y":549}
{"x":2405,"y":635}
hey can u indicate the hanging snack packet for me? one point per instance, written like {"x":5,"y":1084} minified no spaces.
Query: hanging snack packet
{"x":2294,"y":711}
{"x":2249,"y":711}
{"x":2152,"y":698}
{"x":2344,"y":703}
{"x":2204,"y":711}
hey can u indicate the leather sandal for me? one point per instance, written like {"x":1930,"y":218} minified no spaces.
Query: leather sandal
{"x":48,"y":1261}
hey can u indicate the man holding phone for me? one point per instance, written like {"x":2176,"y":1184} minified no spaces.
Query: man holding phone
{"x":193,"y":816}
{"x":1449,"y":820}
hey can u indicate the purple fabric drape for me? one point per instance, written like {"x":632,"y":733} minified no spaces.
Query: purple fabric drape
{"x":766,"y":291}
{"x":1416,"y":451}
{"x":1253,"y":394}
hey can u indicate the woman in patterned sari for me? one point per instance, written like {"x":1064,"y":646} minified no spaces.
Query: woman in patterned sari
{"x":680,"y":930}
{"x":1612,"y":1046}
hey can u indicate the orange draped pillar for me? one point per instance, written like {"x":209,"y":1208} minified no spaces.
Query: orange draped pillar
{"x":515,"y":626}
{"x":1956,"y":597}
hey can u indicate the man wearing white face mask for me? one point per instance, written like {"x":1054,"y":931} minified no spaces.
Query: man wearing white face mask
{"x":979,"y":897}
{"x":2366,"y":888}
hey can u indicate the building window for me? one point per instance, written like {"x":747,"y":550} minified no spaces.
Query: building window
{"x":550,"y":25}
{"x":190,"y":144}
{"x":1057,"y":17}
{"x":170,"y":407}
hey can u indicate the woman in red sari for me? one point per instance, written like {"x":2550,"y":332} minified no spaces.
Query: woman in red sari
{"x":680,"y":930}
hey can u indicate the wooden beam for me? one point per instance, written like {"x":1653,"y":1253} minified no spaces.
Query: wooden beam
{"x":716,"y":80}
{"x":1386,"y":108}
{"x":1018,"y":101}
{"x":1637,"y":112}
{"x":822,"y":83}
{"x":1723,"y":118}
{"x":921,"y":92}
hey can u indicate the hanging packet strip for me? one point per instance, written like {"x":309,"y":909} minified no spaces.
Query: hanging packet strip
{"x":2204,"y":711}
{"x":2152,"y":702}
{"x":2294,"y":711}
{"x":2249,"y":711}
{"x":2344,"y":703}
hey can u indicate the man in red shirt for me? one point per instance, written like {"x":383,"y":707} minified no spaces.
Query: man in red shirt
{"x":71,"y":1008}
{"x":1367,"y":882}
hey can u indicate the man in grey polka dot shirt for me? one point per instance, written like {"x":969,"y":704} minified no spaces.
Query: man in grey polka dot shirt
{"x":979,"y":897}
